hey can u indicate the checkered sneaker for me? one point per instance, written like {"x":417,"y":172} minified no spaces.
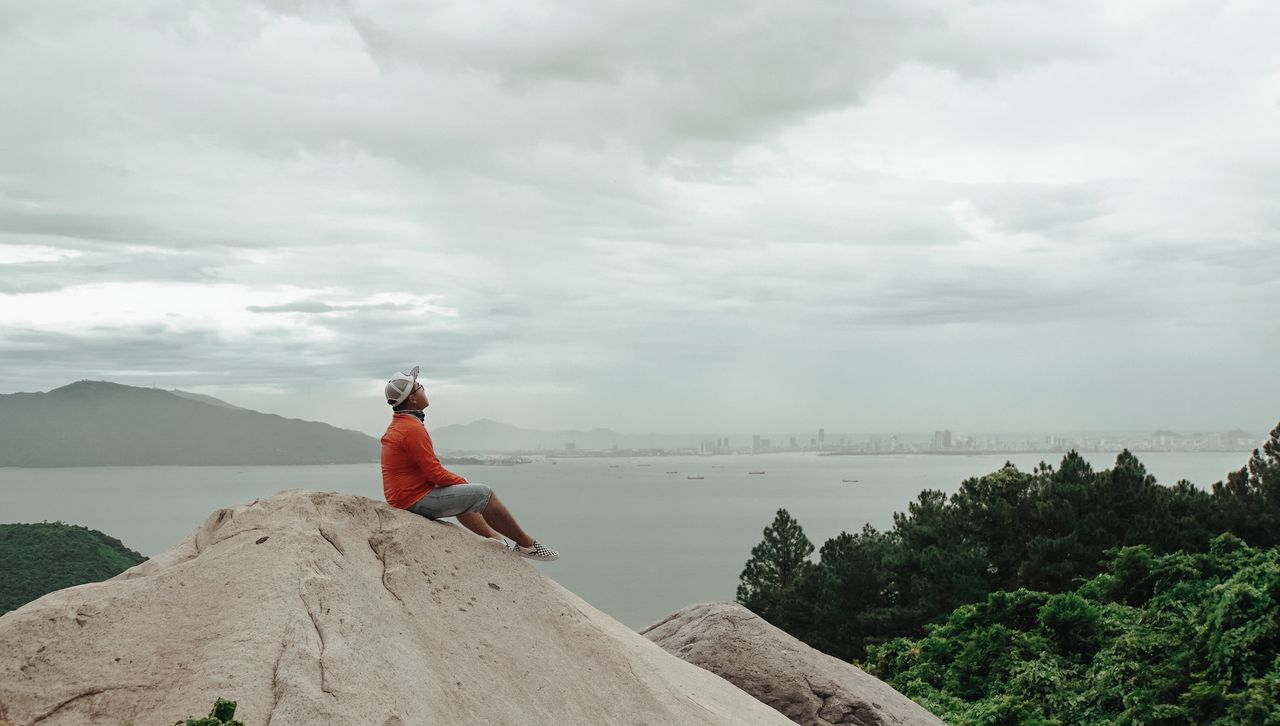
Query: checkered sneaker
{"x":537,"y":552}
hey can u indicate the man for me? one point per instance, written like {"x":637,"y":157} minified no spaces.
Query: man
{"x":413,"y":479}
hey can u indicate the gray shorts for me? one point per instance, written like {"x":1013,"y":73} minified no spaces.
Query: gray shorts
{"x":453,"y":500}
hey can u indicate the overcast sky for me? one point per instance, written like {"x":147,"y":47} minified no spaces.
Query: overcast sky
{"x":882,"y":215}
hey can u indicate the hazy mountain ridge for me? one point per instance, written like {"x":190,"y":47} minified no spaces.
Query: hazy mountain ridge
{"x":206,"y":399}
{"x":98,"y":423}
{"x":489,"y":435}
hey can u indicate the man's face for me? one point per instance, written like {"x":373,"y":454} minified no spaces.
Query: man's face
{"x":418,"y":399}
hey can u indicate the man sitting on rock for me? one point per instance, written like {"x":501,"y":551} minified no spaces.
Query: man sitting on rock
{"x":414,"y":479}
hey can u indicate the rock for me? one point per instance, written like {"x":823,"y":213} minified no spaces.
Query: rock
{"x":311,"y":608}
{"x":807,"y":686}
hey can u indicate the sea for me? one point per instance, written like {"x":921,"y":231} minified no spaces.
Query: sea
{"x":638,"y":538}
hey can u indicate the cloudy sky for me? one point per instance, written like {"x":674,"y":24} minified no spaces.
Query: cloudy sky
{"x":883,"y":215}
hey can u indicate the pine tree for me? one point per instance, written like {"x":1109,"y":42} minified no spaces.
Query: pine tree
{"x":778,"y":572}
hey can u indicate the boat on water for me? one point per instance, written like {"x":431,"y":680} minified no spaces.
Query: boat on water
{"x":695,"y":477}
{"x":673,"y":472}
{"x":849,"y":481}
{"x":755,"y":472}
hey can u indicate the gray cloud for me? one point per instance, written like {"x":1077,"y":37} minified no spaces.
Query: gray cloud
{"x":672,"y":216}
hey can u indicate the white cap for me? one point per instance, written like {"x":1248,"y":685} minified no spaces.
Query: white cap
{"x":400,"y":386}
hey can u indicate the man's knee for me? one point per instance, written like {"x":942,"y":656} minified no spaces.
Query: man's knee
{"x":486,"y":499}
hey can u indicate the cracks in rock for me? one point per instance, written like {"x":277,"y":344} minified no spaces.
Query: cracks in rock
{"x":86,"y":694}
{"x":237,"y":534}
{"x":700,"y":705}
{"x":662,"y":622}
{"x":383,"y":559}
{"x":845,"y":711}
{"x":315,"y":623}
{"x":275,"y":678}
{"x":328,"y":537}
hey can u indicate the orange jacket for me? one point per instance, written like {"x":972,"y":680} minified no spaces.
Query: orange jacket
{"x":410,"y":468}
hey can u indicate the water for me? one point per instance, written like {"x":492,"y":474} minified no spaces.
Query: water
{"x":635,"y":542}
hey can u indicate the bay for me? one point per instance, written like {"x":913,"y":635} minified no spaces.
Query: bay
{"x":636,"y":541}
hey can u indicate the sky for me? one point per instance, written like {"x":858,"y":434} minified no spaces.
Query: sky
{"x":884,"y":215}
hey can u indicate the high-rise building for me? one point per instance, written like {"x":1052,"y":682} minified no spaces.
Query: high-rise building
{"x":755,"y":443}
{"x":822,"y":437}
{"x":941,"y":440}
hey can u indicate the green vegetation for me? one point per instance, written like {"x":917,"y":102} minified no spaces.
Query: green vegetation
{"x":223,"y":714}
{"x":39,"y":558}
{"x":972,"y":601}
{"x":1174,"y":639}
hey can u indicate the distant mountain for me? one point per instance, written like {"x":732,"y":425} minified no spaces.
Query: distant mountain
{"x":39,"y":558}
{"x":206,"y":399}
{"x":96,"y":423}
{"x":489,"y":435}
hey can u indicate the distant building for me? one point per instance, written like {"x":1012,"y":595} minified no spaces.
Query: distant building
{"x":822,"y":437}
{"x":755,"y":443}
{"x":570,"y":446}
{"x":941,"y":440}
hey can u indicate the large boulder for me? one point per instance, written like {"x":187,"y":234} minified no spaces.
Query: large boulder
{"x":807,"y":686}
{"x":313,"y":609}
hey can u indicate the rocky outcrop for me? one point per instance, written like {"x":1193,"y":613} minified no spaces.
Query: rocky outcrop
{"x":807,"y":686}
{"x":311,"y":609}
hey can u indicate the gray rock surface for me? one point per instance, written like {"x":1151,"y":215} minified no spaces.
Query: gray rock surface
{"x":313,"y":609}
{"x":807,"y":686}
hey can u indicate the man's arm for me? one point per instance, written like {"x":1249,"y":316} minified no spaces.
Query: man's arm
{"x":419,"y":447}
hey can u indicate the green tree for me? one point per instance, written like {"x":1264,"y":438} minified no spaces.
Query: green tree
{"x":777,"y":581}
{"x":850,"y":604}
{"x":1060,"y":501}
{"x":997,"y":511}
{"x":935,"y":565}
{"x":1250,"y":497}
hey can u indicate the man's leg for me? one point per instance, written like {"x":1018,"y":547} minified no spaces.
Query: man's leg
{"x":474,"y":521}
{"x":497,"y":516}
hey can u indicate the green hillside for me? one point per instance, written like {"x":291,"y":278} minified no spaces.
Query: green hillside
{"x":36,"y":559}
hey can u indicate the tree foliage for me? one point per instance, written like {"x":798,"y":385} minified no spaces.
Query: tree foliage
{"x":1042,"y":531}
{"x":36,"y":559}
{"x":1177,"y":638}
{"x":778,"y":577}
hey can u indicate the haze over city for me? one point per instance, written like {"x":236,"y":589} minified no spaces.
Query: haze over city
{"x":887,"y":216}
